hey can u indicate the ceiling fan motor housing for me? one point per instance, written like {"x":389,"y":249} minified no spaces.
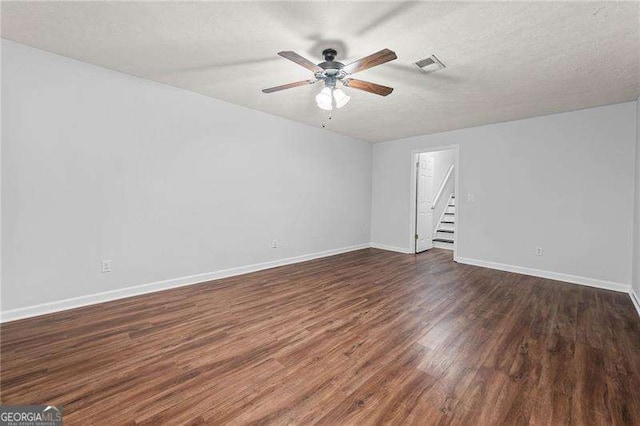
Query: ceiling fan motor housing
{"x":329,"y":63}
{"x":329,"y":54}
{"x":331,"y":68}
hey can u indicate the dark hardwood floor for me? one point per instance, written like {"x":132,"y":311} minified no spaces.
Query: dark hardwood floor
{"x":361,"y":338}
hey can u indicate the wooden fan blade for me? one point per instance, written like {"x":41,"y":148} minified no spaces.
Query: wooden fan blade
{"x":378,"y":58}
{"x":289,"y":86}
{"x":367,"y":86}
{"x":293,"y":56}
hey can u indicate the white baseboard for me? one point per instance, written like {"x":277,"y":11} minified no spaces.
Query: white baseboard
{"x":635,"y":299}
{"x":77,"y":302}
{"x":391,"y":248}
{"x":574,"y":279}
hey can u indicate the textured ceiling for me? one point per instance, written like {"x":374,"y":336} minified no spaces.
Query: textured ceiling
{"x":505,"y":60}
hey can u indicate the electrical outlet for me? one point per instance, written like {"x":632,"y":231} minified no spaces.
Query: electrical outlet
{"x":105,"y":266}
{"x":470,"y":198}
{"x":538,"y":251}
{"x":274,"y":244}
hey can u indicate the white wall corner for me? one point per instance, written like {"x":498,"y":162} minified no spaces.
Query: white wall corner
{"x":635,"y":299}
{"x":635,"y":260}
{"x":77,"y":302}
{"x":573,"y":279}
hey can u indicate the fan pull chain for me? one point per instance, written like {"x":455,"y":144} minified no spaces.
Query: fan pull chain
{"x":324,"y":125}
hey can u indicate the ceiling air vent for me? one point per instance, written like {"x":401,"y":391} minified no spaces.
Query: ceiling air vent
{"x":430,"y":64}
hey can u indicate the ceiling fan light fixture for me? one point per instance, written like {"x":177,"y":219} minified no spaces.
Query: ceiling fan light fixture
{"x":341,"y":98}
{"x":324,"y":99}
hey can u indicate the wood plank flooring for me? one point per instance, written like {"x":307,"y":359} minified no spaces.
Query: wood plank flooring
{"x":368,"y":337}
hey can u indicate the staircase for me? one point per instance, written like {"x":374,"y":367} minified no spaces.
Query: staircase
{"x":444,"y":236}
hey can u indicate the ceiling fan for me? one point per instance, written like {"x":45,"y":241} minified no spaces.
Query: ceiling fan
{"x":331,"y":71}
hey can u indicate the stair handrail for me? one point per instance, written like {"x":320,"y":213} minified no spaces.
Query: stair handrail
{"x":442,"y":185}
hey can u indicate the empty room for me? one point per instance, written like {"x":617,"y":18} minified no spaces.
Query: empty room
{"x":320,"y":212}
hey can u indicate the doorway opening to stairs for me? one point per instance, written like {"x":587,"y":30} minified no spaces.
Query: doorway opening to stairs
{"x":434,"y":207}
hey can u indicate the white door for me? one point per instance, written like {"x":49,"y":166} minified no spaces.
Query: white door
{"x":424,"y":213}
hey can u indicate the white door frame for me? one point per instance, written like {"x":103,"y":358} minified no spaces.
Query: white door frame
{"x":412,"y":198}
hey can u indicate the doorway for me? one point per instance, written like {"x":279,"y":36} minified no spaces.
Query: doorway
{"x":434,"y":208}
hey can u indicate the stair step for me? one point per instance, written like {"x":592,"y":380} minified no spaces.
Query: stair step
{"x":442,"y":240}
{"x":448,"y":231}
{"x":451,"y":205}
{"x":450,"y":214}
{"x":446,"y":221}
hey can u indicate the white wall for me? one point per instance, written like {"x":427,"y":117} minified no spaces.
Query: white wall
{"x":636,"y":214}
{"x":562,"y":182}
{"x":164,"y":182}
